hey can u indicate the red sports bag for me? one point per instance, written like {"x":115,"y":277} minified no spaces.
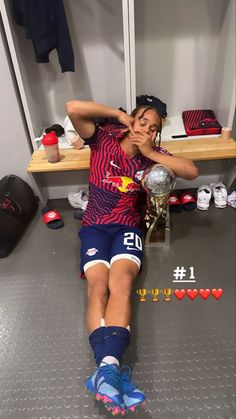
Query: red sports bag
{"x":201,"y":122}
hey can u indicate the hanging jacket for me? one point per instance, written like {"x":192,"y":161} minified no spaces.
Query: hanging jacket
{"x":45,"y":24}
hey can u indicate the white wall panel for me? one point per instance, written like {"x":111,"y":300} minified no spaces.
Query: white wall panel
{"x":178,"y":44}
{"x":15,"y":149}
{"x":223,"y":94}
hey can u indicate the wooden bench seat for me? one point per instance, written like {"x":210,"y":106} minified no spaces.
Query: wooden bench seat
{"x":195,"y":149}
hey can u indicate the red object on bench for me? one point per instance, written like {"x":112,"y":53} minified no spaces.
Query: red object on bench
{"x":200,"y":122}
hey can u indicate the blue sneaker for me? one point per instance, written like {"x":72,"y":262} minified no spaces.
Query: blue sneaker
{"x":132,"y":396}
{"x":105,"y":383}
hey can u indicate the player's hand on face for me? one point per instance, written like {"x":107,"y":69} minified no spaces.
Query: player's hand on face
{"x":143,"y":141}
{"x":127,"y":120}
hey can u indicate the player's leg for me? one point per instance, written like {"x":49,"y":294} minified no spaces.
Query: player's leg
{"x":126,"y":256}
{"x":97,"y":292}
{"x":121,"y":277}
{"x":105,"y":382}
{"x":125,"y":265}
{"x":118,"y":310}
{"x":117,"y":336}
{"x":94,"y":263}
{"x":95,"y":248}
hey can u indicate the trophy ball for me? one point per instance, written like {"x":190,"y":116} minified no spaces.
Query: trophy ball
{"x":158,"y":180}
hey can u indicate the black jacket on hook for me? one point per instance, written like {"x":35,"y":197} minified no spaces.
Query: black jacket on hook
{"x":45,"y":24}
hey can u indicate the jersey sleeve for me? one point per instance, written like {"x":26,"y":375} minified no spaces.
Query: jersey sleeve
{"x":92,"y":141}
{"x":162,"y":150}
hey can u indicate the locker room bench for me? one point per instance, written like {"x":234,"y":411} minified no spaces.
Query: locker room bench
{"x":196,"y":149}
{"x":213,"y":148}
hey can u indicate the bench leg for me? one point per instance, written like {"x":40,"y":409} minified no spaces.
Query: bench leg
{"x":229,"y":175}
{"x":39,"y":189}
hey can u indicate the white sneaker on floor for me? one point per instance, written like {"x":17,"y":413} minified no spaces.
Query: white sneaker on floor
{"x":78,"y":200}
{"x":203,"y":197}
{"x":220,"y":194}
{"x":232,"y":199}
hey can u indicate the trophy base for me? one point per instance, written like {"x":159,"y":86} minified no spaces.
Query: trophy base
{"x":158,"y":235}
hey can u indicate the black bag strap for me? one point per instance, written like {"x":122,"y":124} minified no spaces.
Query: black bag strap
{"x":9,"y":205}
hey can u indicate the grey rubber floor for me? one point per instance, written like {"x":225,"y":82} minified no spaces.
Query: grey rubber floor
{"x":182,"y":352}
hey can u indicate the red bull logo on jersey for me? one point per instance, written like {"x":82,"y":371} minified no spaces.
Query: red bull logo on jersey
{"x":123,"y":183}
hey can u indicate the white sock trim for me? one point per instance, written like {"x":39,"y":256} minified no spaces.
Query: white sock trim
{"x":109,"y":360}
{"x":103,"y":323}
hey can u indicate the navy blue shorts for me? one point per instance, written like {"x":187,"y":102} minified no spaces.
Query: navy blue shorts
{"x":106,"y":243}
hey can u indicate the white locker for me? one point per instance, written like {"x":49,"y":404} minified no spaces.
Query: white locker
{"x":96,"y":31}
{"x":185,"y":55}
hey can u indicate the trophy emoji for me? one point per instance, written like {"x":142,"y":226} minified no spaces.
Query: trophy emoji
{"x":142,"y":292}
{"x":158,"y":181}
{"x":155,"y":292}
{"x":167,"y":292}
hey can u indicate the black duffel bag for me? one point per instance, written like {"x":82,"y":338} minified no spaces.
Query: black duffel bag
{"x":18,"y":205}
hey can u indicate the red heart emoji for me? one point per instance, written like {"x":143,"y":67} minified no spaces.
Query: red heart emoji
{"x":217,"y":293}
{"x":192,"y":293}
{"x":204,"y":293}
{"x":179,"y":294}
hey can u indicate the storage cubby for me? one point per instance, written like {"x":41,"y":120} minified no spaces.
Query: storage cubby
{"x":185,"y":55}
{"x":96,"y":32}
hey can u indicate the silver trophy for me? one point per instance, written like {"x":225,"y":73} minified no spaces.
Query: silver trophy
{"x":158,"y":181}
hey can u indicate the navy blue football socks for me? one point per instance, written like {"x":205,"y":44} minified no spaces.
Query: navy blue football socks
{"x":96,"y":340}
{"x":109,"y":341}
{"x":117,"y":339}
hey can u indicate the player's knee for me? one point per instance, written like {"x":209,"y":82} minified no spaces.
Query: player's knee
{"x":97,"y":289}
{"x":121,"y":285}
